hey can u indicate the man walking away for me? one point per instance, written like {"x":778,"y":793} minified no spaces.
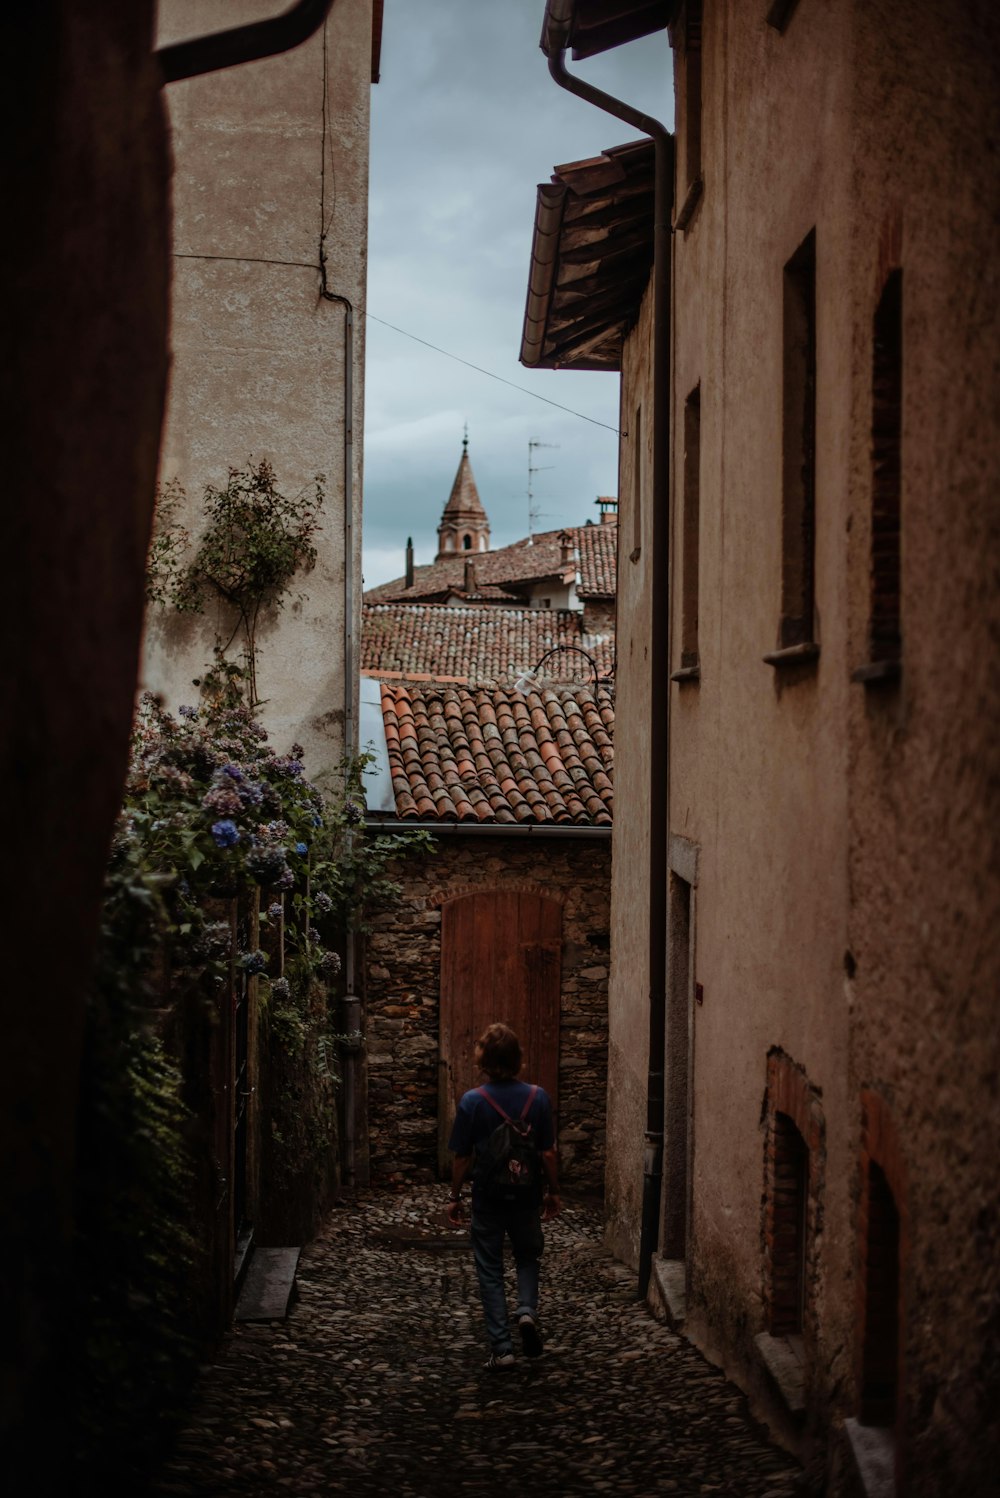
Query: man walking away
{"x":503,"y":1133}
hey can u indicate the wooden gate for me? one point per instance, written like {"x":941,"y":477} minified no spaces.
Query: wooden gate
{"x":500,"y":960}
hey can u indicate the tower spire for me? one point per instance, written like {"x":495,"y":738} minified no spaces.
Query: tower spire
{"x":465,"y":526}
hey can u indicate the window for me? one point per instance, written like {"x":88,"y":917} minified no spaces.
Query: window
{"x":692,"y":90}
{"x":689,"y":111}
{"x":466,"y":543}
{"x":885,"y":644}
{"x":786,"y":1227}
{"x":636,"y":551}
{"x":880,"y":1351}
{"x":692,"y":493}
{"x":796,"y":628}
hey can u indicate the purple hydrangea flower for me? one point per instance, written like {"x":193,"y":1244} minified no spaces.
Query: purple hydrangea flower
{"x":274,"y":911}
{"x":298,"y":752}
{"x":221,"y":800}
{"x":253,"y":962}
{"x":323,"y":903}
{"x":226,"y":833}
{"x":352,"y":813}
{"x":191,"y":713}
{"x":285,"y":880}
{"x":233,"y":771}
{"x":280,"y":988}
{"x":313,"y":934}
{"x":329,"y":964}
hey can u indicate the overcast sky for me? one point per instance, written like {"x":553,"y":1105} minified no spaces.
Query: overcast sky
{"x":465,"y":123}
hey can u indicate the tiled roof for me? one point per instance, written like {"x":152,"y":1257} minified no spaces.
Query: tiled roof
{"x":477,"y":642}
{"x":499,"y":572}
{"x":496,"y":755}
{"x":591,"y":255}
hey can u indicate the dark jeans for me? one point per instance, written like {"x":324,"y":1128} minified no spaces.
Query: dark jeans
{"x":524,"y":1228}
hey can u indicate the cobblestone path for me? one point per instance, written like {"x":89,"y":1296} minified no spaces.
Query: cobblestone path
{"x":375,"y":1384}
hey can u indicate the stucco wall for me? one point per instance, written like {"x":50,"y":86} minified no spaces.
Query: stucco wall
{"x":628,"y":986}
{"x":847,"y":899}
{"x":924,"y":927}
{"x":267,"y":156}
{"x":402,"y":998}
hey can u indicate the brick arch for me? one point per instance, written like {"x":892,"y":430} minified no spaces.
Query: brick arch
{"x":794,"y":1175}
{"x":518,"y":886}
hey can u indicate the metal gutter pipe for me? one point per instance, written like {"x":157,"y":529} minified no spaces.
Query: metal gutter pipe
{"x":555,"y":41}
{"x":492,"y":829}
{"x":351,"y":1000}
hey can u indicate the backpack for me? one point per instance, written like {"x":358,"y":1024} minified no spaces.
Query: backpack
{"x":508,"y":1167}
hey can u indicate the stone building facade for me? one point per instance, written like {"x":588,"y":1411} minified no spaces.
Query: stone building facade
{"x":823,"y":1150}
{"x":403,"y":986}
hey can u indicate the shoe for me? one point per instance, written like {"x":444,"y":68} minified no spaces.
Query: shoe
{"x":499,"y":1361}
{"x":531,"y":1339}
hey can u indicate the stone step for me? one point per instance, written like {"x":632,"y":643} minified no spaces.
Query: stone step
{"x":270,"y":1281}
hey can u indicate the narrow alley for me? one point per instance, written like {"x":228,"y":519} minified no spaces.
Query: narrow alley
{"x":375,"y":1383}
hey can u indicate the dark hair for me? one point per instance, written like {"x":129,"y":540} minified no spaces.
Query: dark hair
{"x":498,"y":1053}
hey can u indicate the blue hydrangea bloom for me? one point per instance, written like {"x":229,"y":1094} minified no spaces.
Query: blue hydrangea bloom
{"x":301,"y":848}
{"x":226,"y":833}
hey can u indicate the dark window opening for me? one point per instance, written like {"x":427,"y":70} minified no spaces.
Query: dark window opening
{"x":786,"y":1226}
{"x":692,"y":91}
{"x":880,"y":1354}
{"x":636,"y":552}
{"x":887,"y":410}
{"x":691,"y":521}
{"x":466,"y":543}
{"x":798,"y":520}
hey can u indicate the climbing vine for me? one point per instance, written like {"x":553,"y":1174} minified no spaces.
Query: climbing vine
{"x":255,"y":542}
{"x":213,"y":818}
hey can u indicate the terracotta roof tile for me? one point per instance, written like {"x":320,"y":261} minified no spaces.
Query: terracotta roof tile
{"x":476,"y":642}
{"x":461,"y":754}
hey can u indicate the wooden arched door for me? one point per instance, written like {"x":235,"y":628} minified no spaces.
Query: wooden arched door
{"x":500,"y":960}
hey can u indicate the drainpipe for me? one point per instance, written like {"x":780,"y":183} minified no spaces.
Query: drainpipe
{"x":555,"y":41}
{"x":351,"y":1001}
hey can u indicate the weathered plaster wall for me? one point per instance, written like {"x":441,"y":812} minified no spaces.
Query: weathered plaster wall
{"x":268,"y":156}
{"x":85,"y":188}
{"x":924,"y":867}
{"x":758,"y":770}
{"x":847,"y":901}
{"x":402,"y":998}
{"x":628,"y":988}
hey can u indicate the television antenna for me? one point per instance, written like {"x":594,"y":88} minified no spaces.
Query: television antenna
{"x":534,"y":514}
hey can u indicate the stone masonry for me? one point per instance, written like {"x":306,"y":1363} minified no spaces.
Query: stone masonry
{"x":402,"y":987}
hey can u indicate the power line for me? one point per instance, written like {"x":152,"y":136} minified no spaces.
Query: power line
{"x":488,"y":372}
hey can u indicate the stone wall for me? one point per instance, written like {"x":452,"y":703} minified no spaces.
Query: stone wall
{"x":402,"y":987}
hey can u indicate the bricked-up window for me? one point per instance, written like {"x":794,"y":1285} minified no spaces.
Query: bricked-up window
{"x":787,"y":1216}
{"x":798,"y":517}
{"x":880,"y":1353}
{"x":692,"y":523}
{"x":795,"y":1154}
{"x":885,"y":642}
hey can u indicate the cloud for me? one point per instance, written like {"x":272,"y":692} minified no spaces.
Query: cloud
{"x":465,"y":122}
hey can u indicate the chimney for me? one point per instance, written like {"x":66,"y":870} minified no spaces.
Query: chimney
{"x":470,"y":577}
{"x":409,"y":561}
{"x":608,"y":506}
{"x":565,"y":547}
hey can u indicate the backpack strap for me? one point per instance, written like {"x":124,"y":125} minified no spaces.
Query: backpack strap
{"x":494,"y":1104}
